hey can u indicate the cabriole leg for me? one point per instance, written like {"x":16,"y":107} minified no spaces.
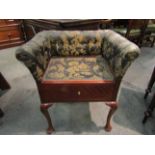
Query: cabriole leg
{"x":44,"y":109}
{"x":113,"y":107}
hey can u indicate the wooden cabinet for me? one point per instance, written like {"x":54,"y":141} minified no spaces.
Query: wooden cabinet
{"x":11,"y":33}
{"x":33,"y":26}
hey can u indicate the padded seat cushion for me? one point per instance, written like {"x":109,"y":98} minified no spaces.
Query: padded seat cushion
{"x":78,"y":68}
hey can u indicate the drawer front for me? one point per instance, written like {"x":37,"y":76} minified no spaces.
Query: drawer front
{"x":82,"y":92}
{"x":11,"y":21}
{"x":8,"y":35}
{"x":12,"y":43}
{"x":5,"y":22}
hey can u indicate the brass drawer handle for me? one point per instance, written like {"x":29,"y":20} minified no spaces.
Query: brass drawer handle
{"x":79,"y":93}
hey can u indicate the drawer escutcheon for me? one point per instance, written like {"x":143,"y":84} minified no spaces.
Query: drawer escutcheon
{"x":79,"y":93}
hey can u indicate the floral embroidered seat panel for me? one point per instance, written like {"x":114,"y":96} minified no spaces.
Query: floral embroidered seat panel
{"x":78,"y":68}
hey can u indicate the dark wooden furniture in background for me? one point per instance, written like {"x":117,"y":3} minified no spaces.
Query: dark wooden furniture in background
{"x":120,"y":22}
{"x":149,"y":111}
{"x":33,"y":26}
{"x":3,"y":86}
{"x":15,"y":32}
{"x":11,"y":33}
{"x":140,"y":24}
{"x":85,"y":24}
{"x":133,"y":29}
{"x":3,"y":83}
{"x":150,"y":33}
{"x":150,"y":85}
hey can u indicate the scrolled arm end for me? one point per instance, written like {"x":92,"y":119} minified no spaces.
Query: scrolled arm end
{"x":31,"y":63}
{"x":119,"y":52}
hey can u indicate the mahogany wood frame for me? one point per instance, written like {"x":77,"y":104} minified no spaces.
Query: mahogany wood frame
{"x":78,"y":91}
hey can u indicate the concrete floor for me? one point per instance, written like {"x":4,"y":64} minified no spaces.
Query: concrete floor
{"x":21,"y":103}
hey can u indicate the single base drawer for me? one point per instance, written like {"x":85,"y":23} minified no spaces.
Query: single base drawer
{"x":76,"y":92}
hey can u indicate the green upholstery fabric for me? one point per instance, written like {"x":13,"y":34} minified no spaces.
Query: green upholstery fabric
{"x":119,"y":52}
{"x":78,"y":68}
{"x":123,"y":31}
{"x":115,"y":49}
{"x":150,"y":28}
{"x":75,"y":43}
{"x":34,"y":55}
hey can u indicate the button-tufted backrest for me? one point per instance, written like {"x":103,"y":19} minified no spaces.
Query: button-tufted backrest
{"x":74,"y":43}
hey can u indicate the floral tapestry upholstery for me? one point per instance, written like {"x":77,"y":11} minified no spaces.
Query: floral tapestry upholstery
{"x":80,"y":68}
{"x":34,"y":55}
{"x":115,"y":49}
{"x":119,"y":52}
{"x":75,"y":43}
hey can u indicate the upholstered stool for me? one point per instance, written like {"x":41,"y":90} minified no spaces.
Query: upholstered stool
{"x":78,"y":66}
